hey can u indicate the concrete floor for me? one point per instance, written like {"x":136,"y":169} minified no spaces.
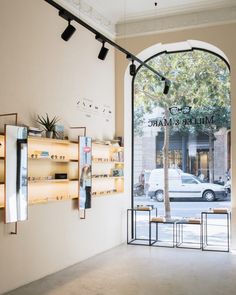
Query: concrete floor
{"x":140,"y":270}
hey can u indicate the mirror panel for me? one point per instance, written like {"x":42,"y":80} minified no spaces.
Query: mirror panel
{"x":16,"y":174}
{"x":85,"y":173}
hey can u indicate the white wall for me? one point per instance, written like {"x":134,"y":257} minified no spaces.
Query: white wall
{"x":40,"y":73}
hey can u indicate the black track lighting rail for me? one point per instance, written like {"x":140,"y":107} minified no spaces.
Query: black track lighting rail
{"x":67,"y":15}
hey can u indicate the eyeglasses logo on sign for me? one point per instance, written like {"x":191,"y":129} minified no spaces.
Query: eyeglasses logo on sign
{"x":176,"y":121}
{"x":183,"y":110}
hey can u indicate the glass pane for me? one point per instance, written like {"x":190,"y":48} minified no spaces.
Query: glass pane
{"x":183,"y":136}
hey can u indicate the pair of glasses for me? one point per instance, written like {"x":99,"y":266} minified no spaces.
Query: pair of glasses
{"x":34,"y":156}
{"x":176,"y":110}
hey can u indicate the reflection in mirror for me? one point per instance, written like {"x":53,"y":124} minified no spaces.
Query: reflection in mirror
{"x":85,"y":175}
{"x":16,"y":174}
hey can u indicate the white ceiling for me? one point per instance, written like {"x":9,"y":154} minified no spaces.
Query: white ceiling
{"x":118,"y":11}
{"x":119,"y":18}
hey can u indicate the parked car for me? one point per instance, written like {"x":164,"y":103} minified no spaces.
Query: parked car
{"x":183,"y":185}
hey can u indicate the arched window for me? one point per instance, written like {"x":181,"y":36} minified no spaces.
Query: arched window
{"x":186,"y":130}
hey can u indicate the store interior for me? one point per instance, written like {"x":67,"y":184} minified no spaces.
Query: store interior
{"x":66,"y":128}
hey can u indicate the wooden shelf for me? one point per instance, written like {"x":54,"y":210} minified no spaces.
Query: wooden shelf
{"x":106,"y":162}
{"x":49,"y":181}
{"x":102,"y":143}
{"x":51,"y":199}
{"x":47,"y":200}
{"x":107,"y":177}
{"x":2,"y":158}
{"x":106,"y":194}
{"x":120,"y":148}
{"x":48,"y":140}
{"x":49,"y":159}
{"x":53,"y":160}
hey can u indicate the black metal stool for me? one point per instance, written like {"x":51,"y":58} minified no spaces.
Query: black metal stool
{"x":133,"y":214}
{"x":205,"y":229}
{"x":161,"y":243}
{"x":180,"y":242}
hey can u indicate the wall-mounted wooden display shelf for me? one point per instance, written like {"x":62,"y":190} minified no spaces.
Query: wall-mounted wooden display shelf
{"x":43,"y":190}
{"x":108,"y":161}
{"x":102,"y":194}
{"x":47,"y":140}
{"x":49,"y":159}
{"x":107,"y":177}
{"x":49,"y":180}
{"x":52,"y":199}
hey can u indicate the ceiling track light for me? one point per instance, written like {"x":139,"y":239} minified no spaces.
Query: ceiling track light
{"x":132,"y":69}
{"x":103,"y":52}
{"x":69,"y":31}
{"x":67,"y":15}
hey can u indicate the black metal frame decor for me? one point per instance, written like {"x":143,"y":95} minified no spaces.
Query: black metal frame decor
{"x":133,"y":214}
{"x":162,"y":243}
{"x":180,"y":243}
{"x":205,"y":236}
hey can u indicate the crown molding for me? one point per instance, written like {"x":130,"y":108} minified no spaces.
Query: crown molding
{"x":167,"y":19}
{"x":176,"y":22}
{"x":181,"y":8}
{"x":90,"y":15}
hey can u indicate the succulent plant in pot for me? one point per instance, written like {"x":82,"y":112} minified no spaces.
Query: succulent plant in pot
{"x":48,"y":125}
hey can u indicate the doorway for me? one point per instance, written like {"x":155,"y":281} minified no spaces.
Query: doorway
{"x":197,"y":115}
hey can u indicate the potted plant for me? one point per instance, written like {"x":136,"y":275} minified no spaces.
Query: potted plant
{"x":48,"y":125}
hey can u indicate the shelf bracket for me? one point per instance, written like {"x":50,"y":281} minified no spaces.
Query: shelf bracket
{"x":82,"y":213}
{"x":15,"y":231}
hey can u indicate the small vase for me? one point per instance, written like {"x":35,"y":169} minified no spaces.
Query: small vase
{"x":49,"y":134}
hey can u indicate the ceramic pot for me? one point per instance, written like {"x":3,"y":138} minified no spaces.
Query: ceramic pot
{"x":49,"y":134}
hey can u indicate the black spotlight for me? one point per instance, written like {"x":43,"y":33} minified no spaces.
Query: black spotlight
{"x":166,"y":87}
{"x":103,"y":52}
{"x":69,"y":31}
{"x":132,"y":69}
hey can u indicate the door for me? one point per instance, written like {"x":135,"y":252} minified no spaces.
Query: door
{"x":190,"y":187}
